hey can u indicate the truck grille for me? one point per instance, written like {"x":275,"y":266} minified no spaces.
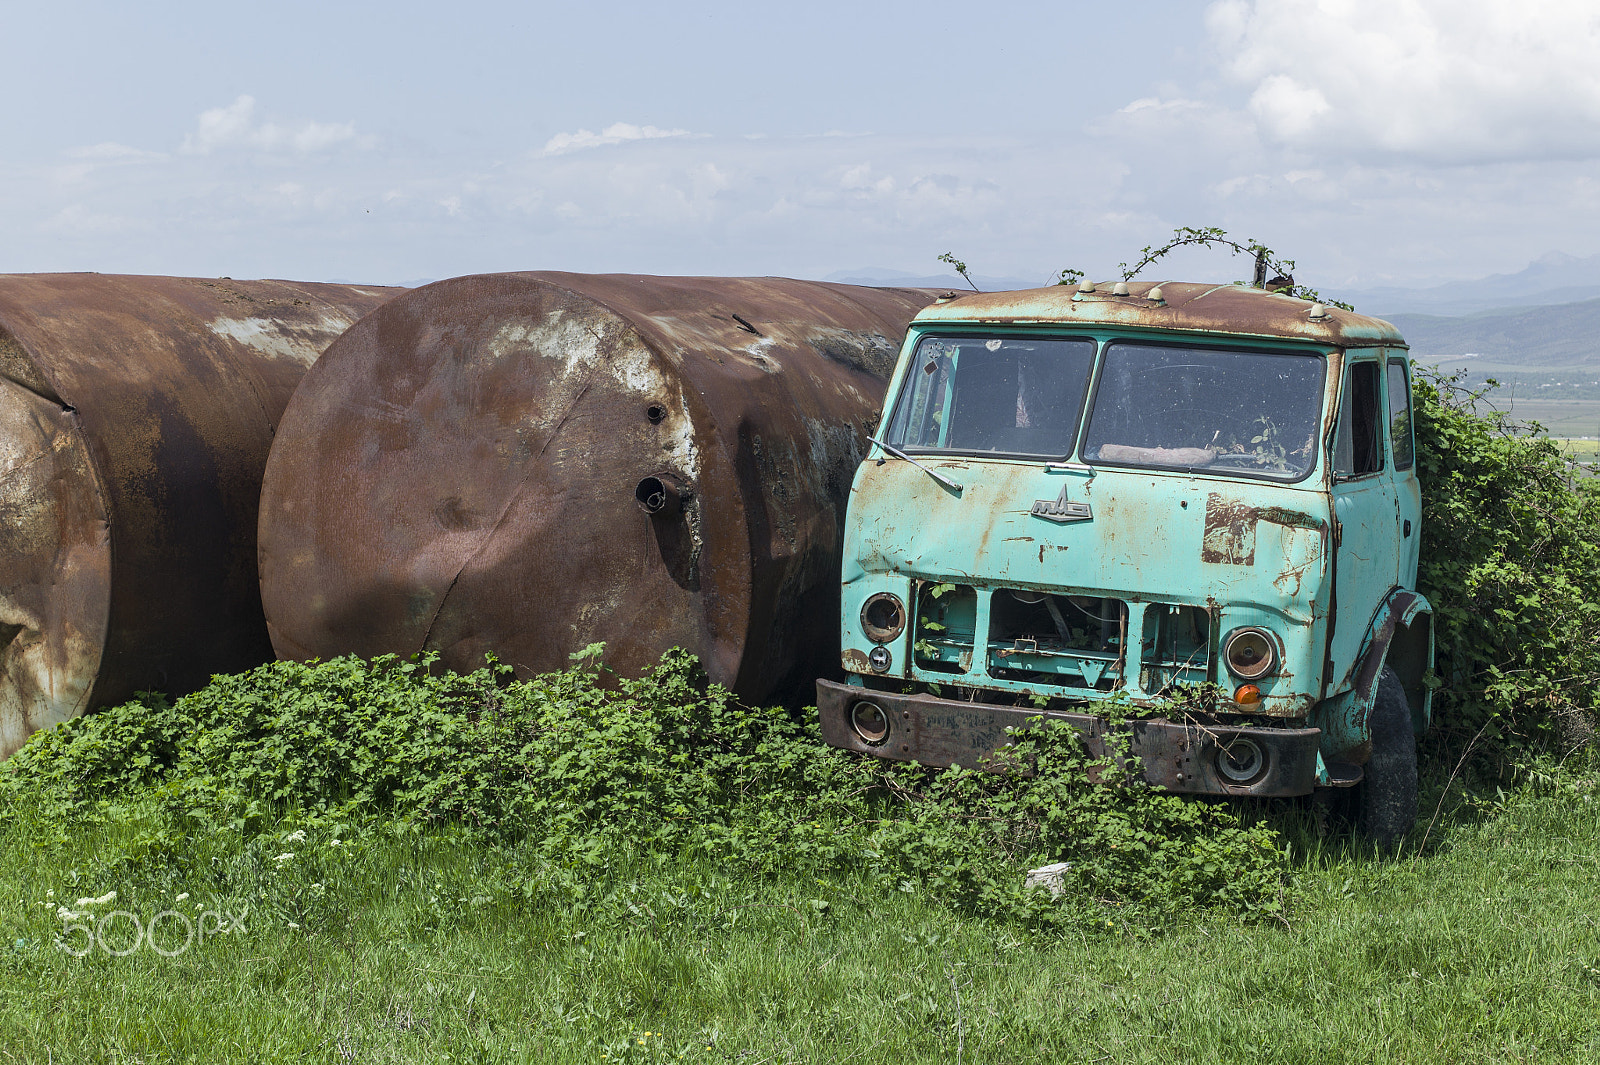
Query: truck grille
{"x":1073,"y":644}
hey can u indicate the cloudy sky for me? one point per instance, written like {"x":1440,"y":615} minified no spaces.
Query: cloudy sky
{"x":1375,"y":141}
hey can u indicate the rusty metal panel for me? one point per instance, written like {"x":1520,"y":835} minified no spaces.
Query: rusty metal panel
{"x":1230,"y":310}
{"x":525,"y":464}
{"x":135,"y":418}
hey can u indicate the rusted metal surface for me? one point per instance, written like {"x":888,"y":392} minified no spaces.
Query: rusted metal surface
{"x":1229,"y":310}
{"x":135,"y":418}
{"x":1230,"y":532}
{"x":526,"y":464}
{"x":1183,"y":757}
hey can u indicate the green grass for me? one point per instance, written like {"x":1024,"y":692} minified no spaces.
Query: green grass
{"x":423,"y":948}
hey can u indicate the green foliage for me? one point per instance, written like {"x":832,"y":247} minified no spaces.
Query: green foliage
{"x":1510,"y":560}
{"x":575,"y":769}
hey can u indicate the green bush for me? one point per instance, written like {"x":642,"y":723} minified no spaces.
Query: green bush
{"x":1510,"y":560}
{"x":575,"y":773}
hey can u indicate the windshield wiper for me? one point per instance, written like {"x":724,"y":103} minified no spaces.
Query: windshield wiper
{"x":897,"y":453}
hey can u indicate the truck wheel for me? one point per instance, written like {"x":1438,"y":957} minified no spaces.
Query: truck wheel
{"x":1389,"y":791}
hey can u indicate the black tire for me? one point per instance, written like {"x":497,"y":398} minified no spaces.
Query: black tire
{"x":1389,"y":790}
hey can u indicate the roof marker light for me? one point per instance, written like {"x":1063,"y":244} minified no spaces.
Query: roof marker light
{"x":1318,"y":311}
{"x":1154,"y":294}
{"x":1120,"y":288}
{"x":1086,"y":285}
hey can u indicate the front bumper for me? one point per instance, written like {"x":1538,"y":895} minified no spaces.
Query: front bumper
{"x":1177,"y":756}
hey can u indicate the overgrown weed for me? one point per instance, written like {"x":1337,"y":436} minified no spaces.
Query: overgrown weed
{"x":568,"y":773}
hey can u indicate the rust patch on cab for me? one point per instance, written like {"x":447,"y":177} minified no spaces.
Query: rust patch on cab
{"x":1230,"y":532}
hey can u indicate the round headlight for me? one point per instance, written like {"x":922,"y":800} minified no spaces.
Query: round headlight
{"x":1250,"y":653}
{"x":883,"y":617}
{"x":869,"y":722}
{"x":1241,"y":760}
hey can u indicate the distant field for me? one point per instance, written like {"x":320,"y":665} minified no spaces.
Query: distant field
{"x":1583,"y":450}
{"x":1572,"y":419}
{"x":1529,"y":394}
{"x":1587,"y":452}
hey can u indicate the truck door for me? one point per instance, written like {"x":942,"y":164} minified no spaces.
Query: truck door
{"x":1366,"y":564}
{"x":1402,"y":457}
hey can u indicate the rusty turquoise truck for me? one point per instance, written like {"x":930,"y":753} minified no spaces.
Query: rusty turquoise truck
{"x":1137,"y":491}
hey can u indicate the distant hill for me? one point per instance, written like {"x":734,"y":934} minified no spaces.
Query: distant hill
{"x":1565,"y":335}
{"x":877,"y":277}
{"x":1553,"y":278}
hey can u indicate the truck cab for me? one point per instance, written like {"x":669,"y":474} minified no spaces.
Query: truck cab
{"x":1144,"y":492}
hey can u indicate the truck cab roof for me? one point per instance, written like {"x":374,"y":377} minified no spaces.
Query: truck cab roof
{"x":1224,"y":309}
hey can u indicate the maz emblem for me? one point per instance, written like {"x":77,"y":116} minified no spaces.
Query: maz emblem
{"x":1061,"y":509}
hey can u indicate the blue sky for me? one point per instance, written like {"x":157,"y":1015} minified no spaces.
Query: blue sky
{"x":1403,"y":141}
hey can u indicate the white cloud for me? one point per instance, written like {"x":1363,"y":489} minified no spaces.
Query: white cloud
{"x":236,"y":126}
{"x":1440,"y":81}
{"x":616,"y":133}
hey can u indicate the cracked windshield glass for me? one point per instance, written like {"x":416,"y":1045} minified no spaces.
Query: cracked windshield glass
{"x":1011,"y":395}
{"x":1252,"y":413}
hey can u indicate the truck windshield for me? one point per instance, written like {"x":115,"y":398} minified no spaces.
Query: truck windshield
{"x":1227,"y":411}
{"x":1004,"y":395}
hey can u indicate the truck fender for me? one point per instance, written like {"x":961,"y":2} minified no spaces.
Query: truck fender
{"x":1401,"y":636}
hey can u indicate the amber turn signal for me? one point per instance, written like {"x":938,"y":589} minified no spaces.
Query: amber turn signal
{"x":1247,"y":695}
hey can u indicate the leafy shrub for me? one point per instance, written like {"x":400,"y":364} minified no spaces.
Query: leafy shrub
{"x":1510,"y":560}
{"x":579,"y":772}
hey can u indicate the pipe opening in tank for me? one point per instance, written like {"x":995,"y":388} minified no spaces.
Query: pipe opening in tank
{"x":656,"y":413}
{"x":655,"y":496}
{"x":9,"y":633}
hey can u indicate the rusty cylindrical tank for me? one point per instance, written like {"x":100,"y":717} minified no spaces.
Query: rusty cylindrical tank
{"x":135,"y":418}
{"x":526,"y":464}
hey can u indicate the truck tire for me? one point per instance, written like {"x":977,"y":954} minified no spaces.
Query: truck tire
{"x":1389,"y":791}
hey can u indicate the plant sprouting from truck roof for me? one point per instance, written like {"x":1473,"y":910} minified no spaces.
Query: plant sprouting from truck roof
{"x":1271,"y":272}
{"x":1267,"y":263}
{"x":960,"y":268}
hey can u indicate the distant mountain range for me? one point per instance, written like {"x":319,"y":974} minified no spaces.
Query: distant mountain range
{"x":1564,"y":335}
{"x":877,"y":277}
{"x":1555,"y":277}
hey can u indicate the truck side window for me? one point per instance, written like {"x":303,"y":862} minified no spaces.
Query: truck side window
{"x":1400,"y":415}
{"x":1359,"y":450}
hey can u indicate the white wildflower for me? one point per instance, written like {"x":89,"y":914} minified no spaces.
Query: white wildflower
{"x":291,"y":924}
{"x":297,"y":836}
{"x":333,"y":843}
{"x":181,"y":897}
{"x":110,"y":896}
{"x":285,"y":856}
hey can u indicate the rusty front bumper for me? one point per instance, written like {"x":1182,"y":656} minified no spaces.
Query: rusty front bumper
{"x":1195,"y":759}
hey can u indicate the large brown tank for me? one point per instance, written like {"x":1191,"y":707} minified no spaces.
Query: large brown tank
{"x":526,"y":464}
{"x":135,"y":418}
